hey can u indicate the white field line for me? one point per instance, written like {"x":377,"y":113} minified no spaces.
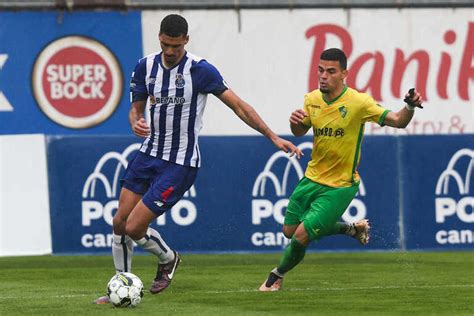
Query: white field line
{"x":41,"y":296}
{"x":309,"y":289}
{"x":322,"y":289}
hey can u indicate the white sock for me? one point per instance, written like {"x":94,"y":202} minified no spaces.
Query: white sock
{"x":351,"y":230}
{"x":122,"y":252}
{"x":279,"y":274}
{"x":153,"y":243}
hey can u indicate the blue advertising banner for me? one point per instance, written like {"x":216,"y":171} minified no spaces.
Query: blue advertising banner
{"x":438,"y":188}
{"x":237,"y":203}
{"x":67,"y":73}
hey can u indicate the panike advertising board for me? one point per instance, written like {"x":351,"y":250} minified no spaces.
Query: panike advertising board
{"x":67,"y":73}
{"x":237,"y":203}
{"x":270,"y":58}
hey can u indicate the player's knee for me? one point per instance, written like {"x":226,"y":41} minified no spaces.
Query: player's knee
{"x":131,"y":230}
{"x":119,"y":224}
{"x":302,"y":236}
{"x":134,"y":230}
{"x":288,"y":232}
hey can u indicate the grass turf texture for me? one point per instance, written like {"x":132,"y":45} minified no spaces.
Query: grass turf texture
{"x":440,"y":283}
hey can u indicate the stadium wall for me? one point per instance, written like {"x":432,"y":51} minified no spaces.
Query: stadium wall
{"x":24,"y":200}
{"x":417,"y":191}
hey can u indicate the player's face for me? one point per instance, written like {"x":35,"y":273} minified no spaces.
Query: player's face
{"x":331,"y":76}
{"x":173,"y":48}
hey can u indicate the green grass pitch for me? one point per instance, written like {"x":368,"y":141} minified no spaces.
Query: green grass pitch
{"x":394,"y":283}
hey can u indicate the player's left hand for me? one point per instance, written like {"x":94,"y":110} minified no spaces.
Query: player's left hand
{"x":414,"y":98}
{"x":288,"y":146}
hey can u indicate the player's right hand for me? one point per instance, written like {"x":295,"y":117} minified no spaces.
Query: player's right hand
{"x":288,"y":147}
{"x":297,"y":116}
{"x":140,"y":128}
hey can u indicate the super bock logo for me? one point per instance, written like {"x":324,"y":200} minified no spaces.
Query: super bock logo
{"x":77,"y":82}
{"x":104,"y":180}
{"x":454,"y":204}
{"x":269,"y":206}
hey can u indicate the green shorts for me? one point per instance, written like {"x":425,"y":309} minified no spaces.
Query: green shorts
{"x":319,"y":207}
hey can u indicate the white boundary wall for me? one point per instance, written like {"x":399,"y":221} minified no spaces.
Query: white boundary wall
{"x":268,"y":61}
{"x":24,"y":200}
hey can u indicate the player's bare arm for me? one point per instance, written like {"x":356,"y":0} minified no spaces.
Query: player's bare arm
{"x":137,"y":119}
{"x":401,"y":118}
{"x":296,"y":122}
{"x":248,"y":114}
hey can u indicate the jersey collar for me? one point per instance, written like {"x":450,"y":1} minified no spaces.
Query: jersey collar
{"x":336,"y":98}
{"x":183,"y":59}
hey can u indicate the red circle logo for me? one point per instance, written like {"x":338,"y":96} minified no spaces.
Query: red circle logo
{"x":77,"y":82}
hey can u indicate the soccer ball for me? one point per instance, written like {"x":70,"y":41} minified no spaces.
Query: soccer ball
{"x":125,"y":289}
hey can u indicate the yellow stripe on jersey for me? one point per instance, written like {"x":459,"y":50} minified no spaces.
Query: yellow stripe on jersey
{"x":338,"y":128}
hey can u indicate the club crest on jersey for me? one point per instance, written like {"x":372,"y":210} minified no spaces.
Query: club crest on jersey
{"x":179,"y":82}
{"x":343,"y":111}
{"x":152,"y":100}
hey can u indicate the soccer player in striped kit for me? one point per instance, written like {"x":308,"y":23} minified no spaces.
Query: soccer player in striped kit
{"x":336,"y":114}
{"x":177,"y":84}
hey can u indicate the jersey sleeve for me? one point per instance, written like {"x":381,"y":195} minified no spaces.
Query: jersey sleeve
{"x":138,"y":90}
{"x":374,"y":112}
{"x":307,"y":120}
{"x":209,"y":80}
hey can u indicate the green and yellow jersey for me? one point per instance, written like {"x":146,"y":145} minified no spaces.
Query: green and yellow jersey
{"x":338,"y":128}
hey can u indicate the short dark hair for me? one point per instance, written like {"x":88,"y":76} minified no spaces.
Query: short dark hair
{"x":174,"y":25}
{"x":335,"y":54}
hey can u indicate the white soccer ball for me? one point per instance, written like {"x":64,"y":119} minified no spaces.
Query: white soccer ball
{"x":125,"y":289}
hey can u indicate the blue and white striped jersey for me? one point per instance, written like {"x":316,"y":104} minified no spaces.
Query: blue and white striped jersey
{"x":177,"y":101}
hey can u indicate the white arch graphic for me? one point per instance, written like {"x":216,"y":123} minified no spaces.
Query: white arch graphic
{"x":281,"y":188}
{"x":442,"y":186}
{"x":361,"y":191}
{"x":191,"y":192}
{"x":125,"y":154}
{"x":260,"y":184}
{"x":111,"y":190}
{"x":92,"y":179}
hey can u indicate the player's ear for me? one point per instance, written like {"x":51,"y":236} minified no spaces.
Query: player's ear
{"x":187,"y":39}
{"x":344,"y":73}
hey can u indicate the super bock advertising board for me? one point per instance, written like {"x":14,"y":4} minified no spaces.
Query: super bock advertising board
{"x":237,"y":203}
{"x":71,"y":76}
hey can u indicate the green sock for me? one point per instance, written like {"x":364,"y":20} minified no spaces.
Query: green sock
{"x":293,"y":255}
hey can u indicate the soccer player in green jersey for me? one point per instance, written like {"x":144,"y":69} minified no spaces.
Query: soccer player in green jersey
{"x":337,"y":115}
